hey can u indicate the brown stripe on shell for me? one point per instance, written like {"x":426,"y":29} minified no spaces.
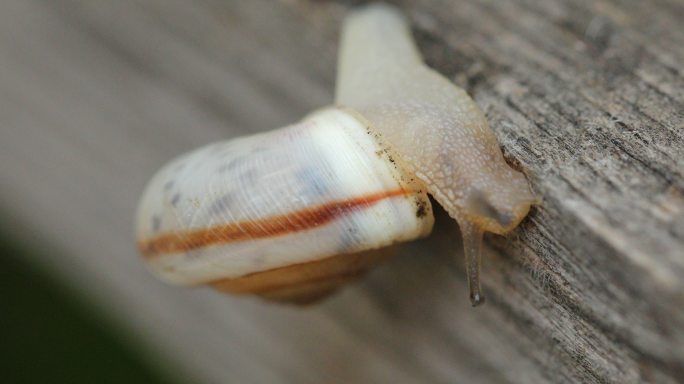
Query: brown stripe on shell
{"x":307,"y":282}
{"x":304,"y":219}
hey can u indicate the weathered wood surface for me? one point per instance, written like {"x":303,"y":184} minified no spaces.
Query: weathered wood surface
{"x":586,"y":98}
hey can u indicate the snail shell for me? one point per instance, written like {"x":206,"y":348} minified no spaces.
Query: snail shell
{"x":294,"y":213}
{"x":235,"y":214}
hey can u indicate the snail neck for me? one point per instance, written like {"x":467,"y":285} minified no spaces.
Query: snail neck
{"x":376,"y":51}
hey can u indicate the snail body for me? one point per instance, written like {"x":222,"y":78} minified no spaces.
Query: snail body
{"x":294,"y":213}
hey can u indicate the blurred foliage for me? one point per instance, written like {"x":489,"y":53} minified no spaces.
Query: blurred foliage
{"x":48,"y":335}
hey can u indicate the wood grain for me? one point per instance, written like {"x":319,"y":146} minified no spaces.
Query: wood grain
{"x":585,"y":97}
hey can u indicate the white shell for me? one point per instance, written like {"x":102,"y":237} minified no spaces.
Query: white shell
{"x":322,"y":187}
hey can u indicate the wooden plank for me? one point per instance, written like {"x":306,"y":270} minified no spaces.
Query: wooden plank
{"x":586,"y":97}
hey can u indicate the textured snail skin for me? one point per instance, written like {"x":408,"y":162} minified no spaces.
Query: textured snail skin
{"x":433,"y":126}
{"x":294,"y":213}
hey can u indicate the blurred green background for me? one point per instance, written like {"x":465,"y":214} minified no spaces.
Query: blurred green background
{"x":51,"y":335}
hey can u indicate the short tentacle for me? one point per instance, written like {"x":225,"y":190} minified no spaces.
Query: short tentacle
{"x":472,"y":244}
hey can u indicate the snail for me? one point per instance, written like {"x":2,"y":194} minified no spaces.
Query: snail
{"x":293,"y":214}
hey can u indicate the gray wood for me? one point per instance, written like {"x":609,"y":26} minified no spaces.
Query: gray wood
{"x":586,"y":97}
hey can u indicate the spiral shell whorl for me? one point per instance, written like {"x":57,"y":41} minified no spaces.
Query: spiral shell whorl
{"x":323,"y":187}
